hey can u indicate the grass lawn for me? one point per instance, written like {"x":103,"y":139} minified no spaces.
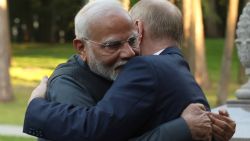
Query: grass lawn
{"x":214,"y":53}
{"x":7,"y":138}
{"x":30,"y":62}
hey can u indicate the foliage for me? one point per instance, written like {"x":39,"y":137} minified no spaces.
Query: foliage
{"x":58,"y":15}
{"x":209,"y":11}
{"x":53,"y":16}
{"x":132,"y":2}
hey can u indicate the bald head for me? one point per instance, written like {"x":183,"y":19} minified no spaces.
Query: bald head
{"x":97,"y":11}
{"x":161,"y":18}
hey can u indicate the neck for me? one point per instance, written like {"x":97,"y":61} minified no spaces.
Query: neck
{"x":149,"y":47}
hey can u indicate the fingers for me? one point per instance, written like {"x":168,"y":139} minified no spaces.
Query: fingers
{"x":223,"y":112}
{"x":206,"y":121}
{"x":43,"y":84}
{"x":44,"y":80}
{"x":40,"y":90}
{"x":216,"y":133}
{"x":200,"y":127}
{"x":220,"y":123}
{"x":217,"y":129}
{"x":223,"y":127}
{"x":219,"y":134}
{"x":192,"y":109}
{"x":198,"y":105}
{"x":220,"y":118}
{"x":198,"y":121}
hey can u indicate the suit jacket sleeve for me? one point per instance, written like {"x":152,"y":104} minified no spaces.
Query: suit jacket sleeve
{"x":176,"y":130}
{"x":65,"y":89}
{"x":118,"y":116}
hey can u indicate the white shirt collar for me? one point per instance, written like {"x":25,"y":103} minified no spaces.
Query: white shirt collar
{"x":158,"y":52}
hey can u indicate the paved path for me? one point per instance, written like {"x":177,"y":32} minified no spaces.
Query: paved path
{"x":12,"y":130}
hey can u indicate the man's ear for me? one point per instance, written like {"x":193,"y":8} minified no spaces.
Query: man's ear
{"x":140,"y":29}
{"x":80,"y":48}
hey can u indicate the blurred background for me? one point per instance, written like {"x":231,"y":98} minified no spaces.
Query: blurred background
{"x":36,"y":35}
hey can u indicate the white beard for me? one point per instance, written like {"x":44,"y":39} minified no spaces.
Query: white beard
{"x":99,"y":68}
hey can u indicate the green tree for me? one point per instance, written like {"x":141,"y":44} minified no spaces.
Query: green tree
{"x":211,"y":18}
{"x":52,"y":16}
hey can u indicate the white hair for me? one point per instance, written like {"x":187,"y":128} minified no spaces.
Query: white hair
{"x":85,"y":15}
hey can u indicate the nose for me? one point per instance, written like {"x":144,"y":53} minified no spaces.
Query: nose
{"x":126,"y":51}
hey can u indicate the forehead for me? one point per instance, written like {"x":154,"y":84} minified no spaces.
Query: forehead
{"x":114,"y":23}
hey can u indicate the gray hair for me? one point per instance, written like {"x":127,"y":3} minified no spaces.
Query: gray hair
{"x":85,"y":15}
{"x":161,"y":18}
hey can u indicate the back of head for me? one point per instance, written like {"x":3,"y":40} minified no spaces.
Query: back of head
{"x":161,"y":19}
{"x":89,"y":12}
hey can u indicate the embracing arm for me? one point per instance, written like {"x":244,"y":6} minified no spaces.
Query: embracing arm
{"x":123,"y":110}
{"x":176,"y":130}
{"x":194,"y":124}
{"x":65,"y":89}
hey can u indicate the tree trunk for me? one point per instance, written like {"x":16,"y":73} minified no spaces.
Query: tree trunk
{"x":5,"y":87}
{"x":187,"y":14}
{"x":228,"y":50}
{"x":200,"y":72}
{"x":188,"y":46}
{"x":126,"y":4}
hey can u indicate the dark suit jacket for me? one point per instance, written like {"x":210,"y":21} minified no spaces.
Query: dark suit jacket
{"x":149,"y":91}
{"x":74,"y":83}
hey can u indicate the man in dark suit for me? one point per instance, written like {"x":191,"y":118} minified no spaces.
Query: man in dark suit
{"x":141,"y":97}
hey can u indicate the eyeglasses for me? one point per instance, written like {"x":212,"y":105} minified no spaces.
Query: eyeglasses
{"x":133,"y":41}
